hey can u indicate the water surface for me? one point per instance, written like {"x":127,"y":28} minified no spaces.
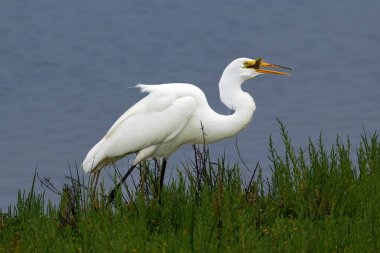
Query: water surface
{"x":66,"y":68}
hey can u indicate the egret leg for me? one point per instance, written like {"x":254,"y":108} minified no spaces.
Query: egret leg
{"x":112,"y":194}
{"x":94,"y":182}
{"x":162,"y":175}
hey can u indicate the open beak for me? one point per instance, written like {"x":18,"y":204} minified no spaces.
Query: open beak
{"x":269,"y":71}
{"x":259,"y":63}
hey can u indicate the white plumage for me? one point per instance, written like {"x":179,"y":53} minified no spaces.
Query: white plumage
{"x":173,"y":114}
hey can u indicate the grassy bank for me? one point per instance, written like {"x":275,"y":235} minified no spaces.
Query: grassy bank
{"x":316,"y":201}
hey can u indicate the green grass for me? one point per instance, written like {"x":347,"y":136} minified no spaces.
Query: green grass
{"x":318,"y":200}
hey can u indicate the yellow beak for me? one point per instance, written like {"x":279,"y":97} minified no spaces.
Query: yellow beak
{"x":269,"y":71}
{"x":257,"y":64}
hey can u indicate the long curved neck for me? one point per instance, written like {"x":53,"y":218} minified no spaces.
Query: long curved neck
{"x":242,"y":104}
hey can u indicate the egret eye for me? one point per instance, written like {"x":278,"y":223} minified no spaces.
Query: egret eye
{"x":249,"y":64}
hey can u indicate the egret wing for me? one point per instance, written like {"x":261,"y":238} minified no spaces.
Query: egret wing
{"x":157,"y":118}
{"x":143,"y":128}
{"x":156,"y":101}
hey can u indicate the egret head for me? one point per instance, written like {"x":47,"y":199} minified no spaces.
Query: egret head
{"x":248,"y":68}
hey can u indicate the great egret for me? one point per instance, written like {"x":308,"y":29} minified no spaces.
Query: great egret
{"x":174,"y":114}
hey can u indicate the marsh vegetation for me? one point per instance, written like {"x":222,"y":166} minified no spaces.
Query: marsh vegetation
{"x":317,"y":199}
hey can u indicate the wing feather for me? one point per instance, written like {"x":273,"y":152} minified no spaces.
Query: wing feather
{"x":155,"y":101}
{"x":157,"y":118}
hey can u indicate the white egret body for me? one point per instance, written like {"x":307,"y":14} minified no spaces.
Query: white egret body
{"x":174,"y":114}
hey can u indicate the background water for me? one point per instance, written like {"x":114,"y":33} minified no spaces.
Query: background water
{"x":65,"y":69}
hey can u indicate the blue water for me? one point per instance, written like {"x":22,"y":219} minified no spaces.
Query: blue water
{"x":65,"y":69}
